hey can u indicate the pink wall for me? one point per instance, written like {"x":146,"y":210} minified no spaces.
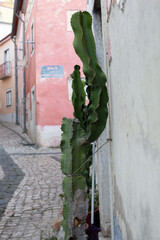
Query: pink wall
{"x":54,"y":47}
{"x":30,"y":69}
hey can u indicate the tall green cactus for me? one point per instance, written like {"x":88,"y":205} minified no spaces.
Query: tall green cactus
{"x":74,"y":154}
{"x":84,"y":46}
{"x":79,"y":133}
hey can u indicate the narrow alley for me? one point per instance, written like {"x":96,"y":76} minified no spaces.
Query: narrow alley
{"x":31,"y":181}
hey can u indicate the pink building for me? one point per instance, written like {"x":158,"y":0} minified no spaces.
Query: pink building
{"x":45,"y":66}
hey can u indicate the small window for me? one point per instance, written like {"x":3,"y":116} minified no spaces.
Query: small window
{"x":32,"y":38}
{"x":6,"y":55}
{"x":8,"y":98}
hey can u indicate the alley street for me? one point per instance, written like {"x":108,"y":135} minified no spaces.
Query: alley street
{"x":30,"y":184}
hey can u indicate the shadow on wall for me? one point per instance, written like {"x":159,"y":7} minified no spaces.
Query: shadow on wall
{"x":117,"y":232}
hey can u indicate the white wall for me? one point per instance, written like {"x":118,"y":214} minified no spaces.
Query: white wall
{"x":5,"y":29}
{"x":134,"y":80}
{"x":48,"y":136}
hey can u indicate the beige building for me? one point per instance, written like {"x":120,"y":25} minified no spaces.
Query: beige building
{"x":7,"y":80}
{"x":6,"y":16}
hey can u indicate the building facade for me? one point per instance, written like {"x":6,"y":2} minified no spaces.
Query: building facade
{"x":7,"y":80}
{"x":129,"y":183}
{"x":43,"y":32}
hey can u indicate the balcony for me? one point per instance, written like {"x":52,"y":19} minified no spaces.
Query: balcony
{"x":5,"y":70}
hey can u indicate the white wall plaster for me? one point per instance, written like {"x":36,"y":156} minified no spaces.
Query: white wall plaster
{"x":135,"y":102}
{"x":48,"y":136}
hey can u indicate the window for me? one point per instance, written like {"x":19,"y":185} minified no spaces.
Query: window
{"x":32,"y":38}
{"x":6,"y":56}
{"x":8,"y":98}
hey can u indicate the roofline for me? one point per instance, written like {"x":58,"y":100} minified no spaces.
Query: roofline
{"x":5,"y":39}
{"x":17,"y":9}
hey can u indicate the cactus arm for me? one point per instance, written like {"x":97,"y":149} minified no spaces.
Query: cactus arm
{"x":67,"y":208}
{"x":84,"y":46}
{"x":78,"y":95}
{"x":66,"y":158}
{"x":100,"y":123}
{"x":75,"y":206}
{"x":79,"y":47}
{"x":80,"y":150}
{"x":74,"y":148}
{"x":74,"y":154}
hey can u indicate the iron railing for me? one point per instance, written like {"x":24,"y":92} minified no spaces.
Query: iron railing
{"x":5,"y":70}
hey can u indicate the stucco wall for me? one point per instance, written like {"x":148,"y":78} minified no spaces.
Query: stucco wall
{"x":54,"y":47}
{"x":135,"y":102}
{"x":30,"y":69}
{"x":7,"y":113}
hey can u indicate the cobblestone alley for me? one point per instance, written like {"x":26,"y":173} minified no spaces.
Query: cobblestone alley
{"x":30,"y":184}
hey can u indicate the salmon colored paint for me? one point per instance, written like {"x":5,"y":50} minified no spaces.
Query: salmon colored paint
{"x":53,"y":46}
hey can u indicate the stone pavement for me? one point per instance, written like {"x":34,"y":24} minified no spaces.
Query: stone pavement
{"x":30,"y":184}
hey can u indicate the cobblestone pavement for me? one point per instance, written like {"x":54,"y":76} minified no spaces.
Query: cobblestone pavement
{"x":30,"y":184}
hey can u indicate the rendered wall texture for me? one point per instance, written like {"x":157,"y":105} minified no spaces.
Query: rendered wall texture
{"x":134,"y":72}
{"x":50,"y":101}
{"x":7,"y":113}
{"x":53,"y":49}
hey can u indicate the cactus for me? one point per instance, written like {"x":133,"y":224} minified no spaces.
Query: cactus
{"x":74,"y":154}
{"x":79,"y":133}
{"x":84,"y":46}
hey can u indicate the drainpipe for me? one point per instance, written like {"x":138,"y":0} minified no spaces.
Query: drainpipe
{"x":24,"y":80}
{"x":16,"y":78}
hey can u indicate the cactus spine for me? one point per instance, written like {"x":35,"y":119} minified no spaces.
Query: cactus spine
{"x":79,"y":133}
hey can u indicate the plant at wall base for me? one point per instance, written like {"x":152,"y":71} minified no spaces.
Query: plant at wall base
{"x":85,"y":128}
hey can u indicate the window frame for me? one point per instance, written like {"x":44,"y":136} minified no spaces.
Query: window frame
{"x":9,"y":98}
{"x":7,"y":51}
